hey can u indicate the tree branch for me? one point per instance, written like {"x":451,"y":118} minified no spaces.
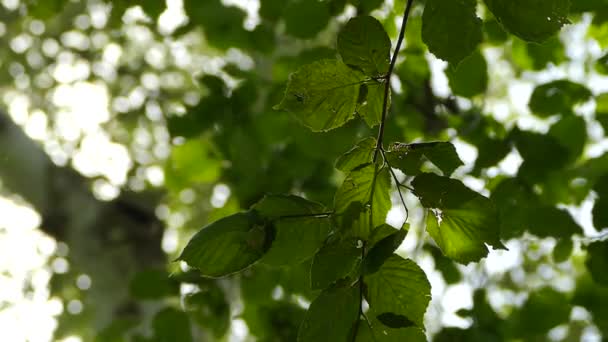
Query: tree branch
{"x":387,"y":85}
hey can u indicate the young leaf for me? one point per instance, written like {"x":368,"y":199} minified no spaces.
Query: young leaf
{"x":228,"y":245}
{"x":408,"y":157}
{"x":298,"y":234}
{"x":462,"y":221}
{"x":398,"y":291}
{"x":597,"y":262}
{"x":323,"y":95}
{"x":360,"y":154}
{"x":531,"y":20}
{"x":363,"y":44}
{"x":332,"y":315}
{"x":334,"y":261}
{"x":451,"y":29}
{"x":557,"y":97}
{"x":370,"y":187}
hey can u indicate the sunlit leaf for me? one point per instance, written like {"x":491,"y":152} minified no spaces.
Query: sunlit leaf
{"x":364,"y":44}
{"x":228,"y":245}
{"x":460,"y":221}
{"x":298,"y":233}
{"x":399,"y":288}
{"x":323,"y":95}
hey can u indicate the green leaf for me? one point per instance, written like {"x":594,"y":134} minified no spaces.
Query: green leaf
{"x":408,"y":157}
{"x":331,"y":315}
{"x":383,"y":249}
{"x":360,"y":154}
{"x":383,"y":231}
{"x":534,"y":149}
{"x":597,"y":262}
{"x":451,"y":29}
{"x":470,"y":77}
{"x":334,"y":261}
{"x":363,"y":44}
{"x":557,"y":97}
{"x":228,"y":245}
{"x":323,"y":95}
{"x":209,"y":309}
{"x":600,"y":214}
{"x":462,"y":221}
{"x":531,"y":20}
{"x":190,"y":163}
{"x":571,"y":132}
{"x":152,"y":284}
{"x":601,"y":65}
{"x":298,"y":234}
{"x":446,"y":266}
{"x":171,"y":325}
{"x":380,"y":332}
{"x":371,"y":109}
{"x":562,"y":250}
{"x":601,"y":110}
{"x":544,"y":309}
{"x":305,"y":19}
{"x":400,"y":288}
{"x":371,"y":188}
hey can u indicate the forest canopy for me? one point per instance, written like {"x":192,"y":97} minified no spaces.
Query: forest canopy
{"x":304,"y":170}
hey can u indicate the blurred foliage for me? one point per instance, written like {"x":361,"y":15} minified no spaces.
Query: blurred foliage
{"x":238,"y":109}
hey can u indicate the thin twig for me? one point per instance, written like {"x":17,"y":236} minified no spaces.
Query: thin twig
{"x":390,"y":168}
{"x":317,"y":215}
{"x":387,"y":84}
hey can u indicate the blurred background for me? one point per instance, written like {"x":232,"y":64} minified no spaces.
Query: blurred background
{"x":126,"y":126}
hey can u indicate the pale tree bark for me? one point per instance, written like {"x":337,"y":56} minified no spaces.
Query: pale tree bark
{"x":109,"y":241}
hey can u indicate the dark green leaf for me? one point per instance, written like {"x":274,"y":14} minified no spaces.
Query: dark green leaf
{"x":600,"y":213}
{"x":380,"y":332}
{"x":461,"y":221}
{"x":360,"y":154}
{"x":363,"y":44}
{"x":602,"y":63}
{"x":544,"y":309}
{"x":322,"y":95}
{"x":171,"y":325}
{"x":534,"y":149}
{"x":382,"y":250}
{"x":557,"y":97}
{"x":571,"y":132}
{"x":153,"y":284}
{"x":601,"y":110}
{"x":446,"y":266}
{"x":209,"y":309}
{"x":597,"y":262}
{"x":320,"y":323}
{"x":451,"y":29}
{"x":533,"y":21}
{"x":334,"y":261}
{"x":408,"y":157}
{"x":470,"y":77}
{"x":228,"y":245}
{"x":368,"y":186}
{"x":304,"y":19}
{"x":298,"y":234}
{"x":384,"y":231}
{"x":400,"y":288}
{"x":562,"y":250}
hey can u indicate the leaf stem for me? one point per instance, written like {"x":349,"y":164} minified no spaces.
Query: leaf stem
{"x":390,"y":168}
{"x":387,"y":84}
{"x":316,"y":215}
